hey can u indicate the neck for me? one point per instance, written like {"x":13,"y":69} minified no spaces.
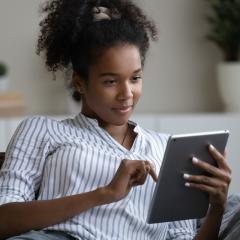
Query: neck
{"x":117,"y":132}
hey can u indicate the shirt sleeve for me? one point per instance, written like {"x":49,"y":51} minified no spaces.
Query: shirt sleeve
{"x":22,"y":169}
{"x":182,"y":230}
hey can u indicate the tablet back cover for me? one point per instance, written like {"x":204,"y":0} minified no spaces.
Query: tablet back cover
{"x":173,"y":201}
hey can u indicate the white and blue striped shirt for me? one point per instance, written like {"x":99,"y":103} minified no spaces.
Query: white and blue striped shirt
{"x":49,"y":159}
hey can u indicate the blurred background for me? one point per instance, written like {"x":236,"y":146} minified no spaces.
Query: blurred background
{"x":191,"y":81}
{"x":179,"y":72}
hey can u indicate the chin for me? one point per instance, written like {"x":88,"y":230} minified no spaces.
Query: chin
{"x":121,"y":123}
{"x":121,"y":120}
{"x":114,"y":118}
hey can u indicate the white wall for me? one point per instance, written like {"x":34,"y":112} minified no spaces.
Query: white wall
{"x":179,"y":74}
{"x":19,"y":30}
{"x":180,"y":70}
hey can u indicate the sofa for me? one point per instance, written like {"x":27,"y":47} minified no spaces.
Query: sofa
{"x":2,"y":156}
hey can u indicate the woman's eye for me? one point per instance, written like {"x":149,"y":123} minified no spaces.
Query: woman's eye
{"x":137,"y":78}
{"x":110,"y":82}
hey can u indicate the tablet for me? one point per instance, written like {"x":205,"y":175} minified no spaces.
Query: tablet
{"x":171,"y":200}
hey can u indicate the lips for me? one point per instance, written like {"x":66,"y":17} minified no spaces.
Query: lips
{"x":123,"y":109}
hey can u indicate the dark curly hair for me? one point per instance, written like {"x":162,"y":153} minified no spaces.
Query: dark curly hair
{"x":69,"y":36}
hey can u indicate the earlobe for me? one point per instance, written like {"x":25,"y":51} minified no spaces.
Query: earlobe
{"x":80,"y":90}
{"x":78,"y":83}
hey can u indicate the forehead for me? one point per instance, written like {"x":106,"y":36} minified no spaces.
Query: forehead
{"x":118,"y":59}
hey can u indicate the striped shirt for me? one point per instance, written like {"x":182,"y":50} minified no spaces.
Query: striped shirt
{"x":48,"y":159}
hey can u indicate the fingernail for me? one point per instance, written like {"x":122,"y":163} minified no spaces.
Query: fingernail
{"x":153,"y":166}
{"x":195,"y":160}
{"x":211,"y":147}
{"x":187,"y":184}
{"x":186,"y":176}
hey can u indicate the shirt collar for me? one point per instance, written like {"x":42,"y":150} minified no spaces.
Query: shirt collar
{"x":89,"y":122}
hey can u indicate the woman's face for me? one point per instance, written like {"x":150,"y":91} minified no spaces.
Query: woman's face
{"x":114,"y":85}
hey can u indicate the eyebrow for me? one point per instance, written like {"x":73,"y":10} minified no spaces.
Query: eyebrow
{"x":115,"y":74}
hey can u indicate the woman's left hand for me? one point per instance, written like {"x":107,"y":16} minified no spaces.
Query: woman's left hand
{"x":217,"y":184}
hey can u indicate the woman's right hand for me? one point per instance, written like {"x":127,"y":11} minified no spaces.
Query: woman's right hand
{"x":129,"y":174}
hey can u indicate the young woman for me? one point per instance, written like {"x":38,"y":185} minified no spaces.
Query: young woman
{"x":92,"y":177}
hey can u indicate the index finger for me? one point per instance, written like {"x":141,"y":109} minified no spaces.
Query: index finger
{"x":151,"y":171}
{"x":221,"y":161}
{"x":153,"y":174}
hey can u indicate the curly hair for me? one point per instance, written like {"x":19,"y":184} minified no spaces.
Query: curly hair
{"x":70,"y":37}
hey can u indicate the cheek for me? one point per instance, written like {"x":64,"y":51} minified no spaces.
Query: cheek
{"x":99,"y":98}
{"x":137,"y":92}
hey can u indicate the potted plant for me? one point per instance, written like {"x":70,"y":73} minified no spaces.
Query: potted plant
{"x":3,"y":77}
{"x":224,"y":21}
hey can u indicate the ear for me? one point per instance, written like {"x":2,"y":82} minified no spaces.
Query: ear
{"x":78,"y":83}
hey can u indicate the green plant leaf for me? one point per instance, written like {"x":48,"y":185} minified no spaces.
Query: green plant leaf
{"x":224,"y":21}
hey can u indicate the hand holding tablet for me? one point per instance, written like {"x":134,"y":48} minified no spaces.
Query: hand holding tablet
{"x":184,"y":161}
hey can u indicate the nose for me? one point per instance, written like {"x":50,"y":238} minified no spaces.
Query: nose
{"x":125,"y":91}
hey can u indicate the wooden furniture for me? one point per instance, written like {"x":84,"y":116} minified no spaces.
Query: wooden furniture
{"x":12,"y":104}
{"x":2,"y":157}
